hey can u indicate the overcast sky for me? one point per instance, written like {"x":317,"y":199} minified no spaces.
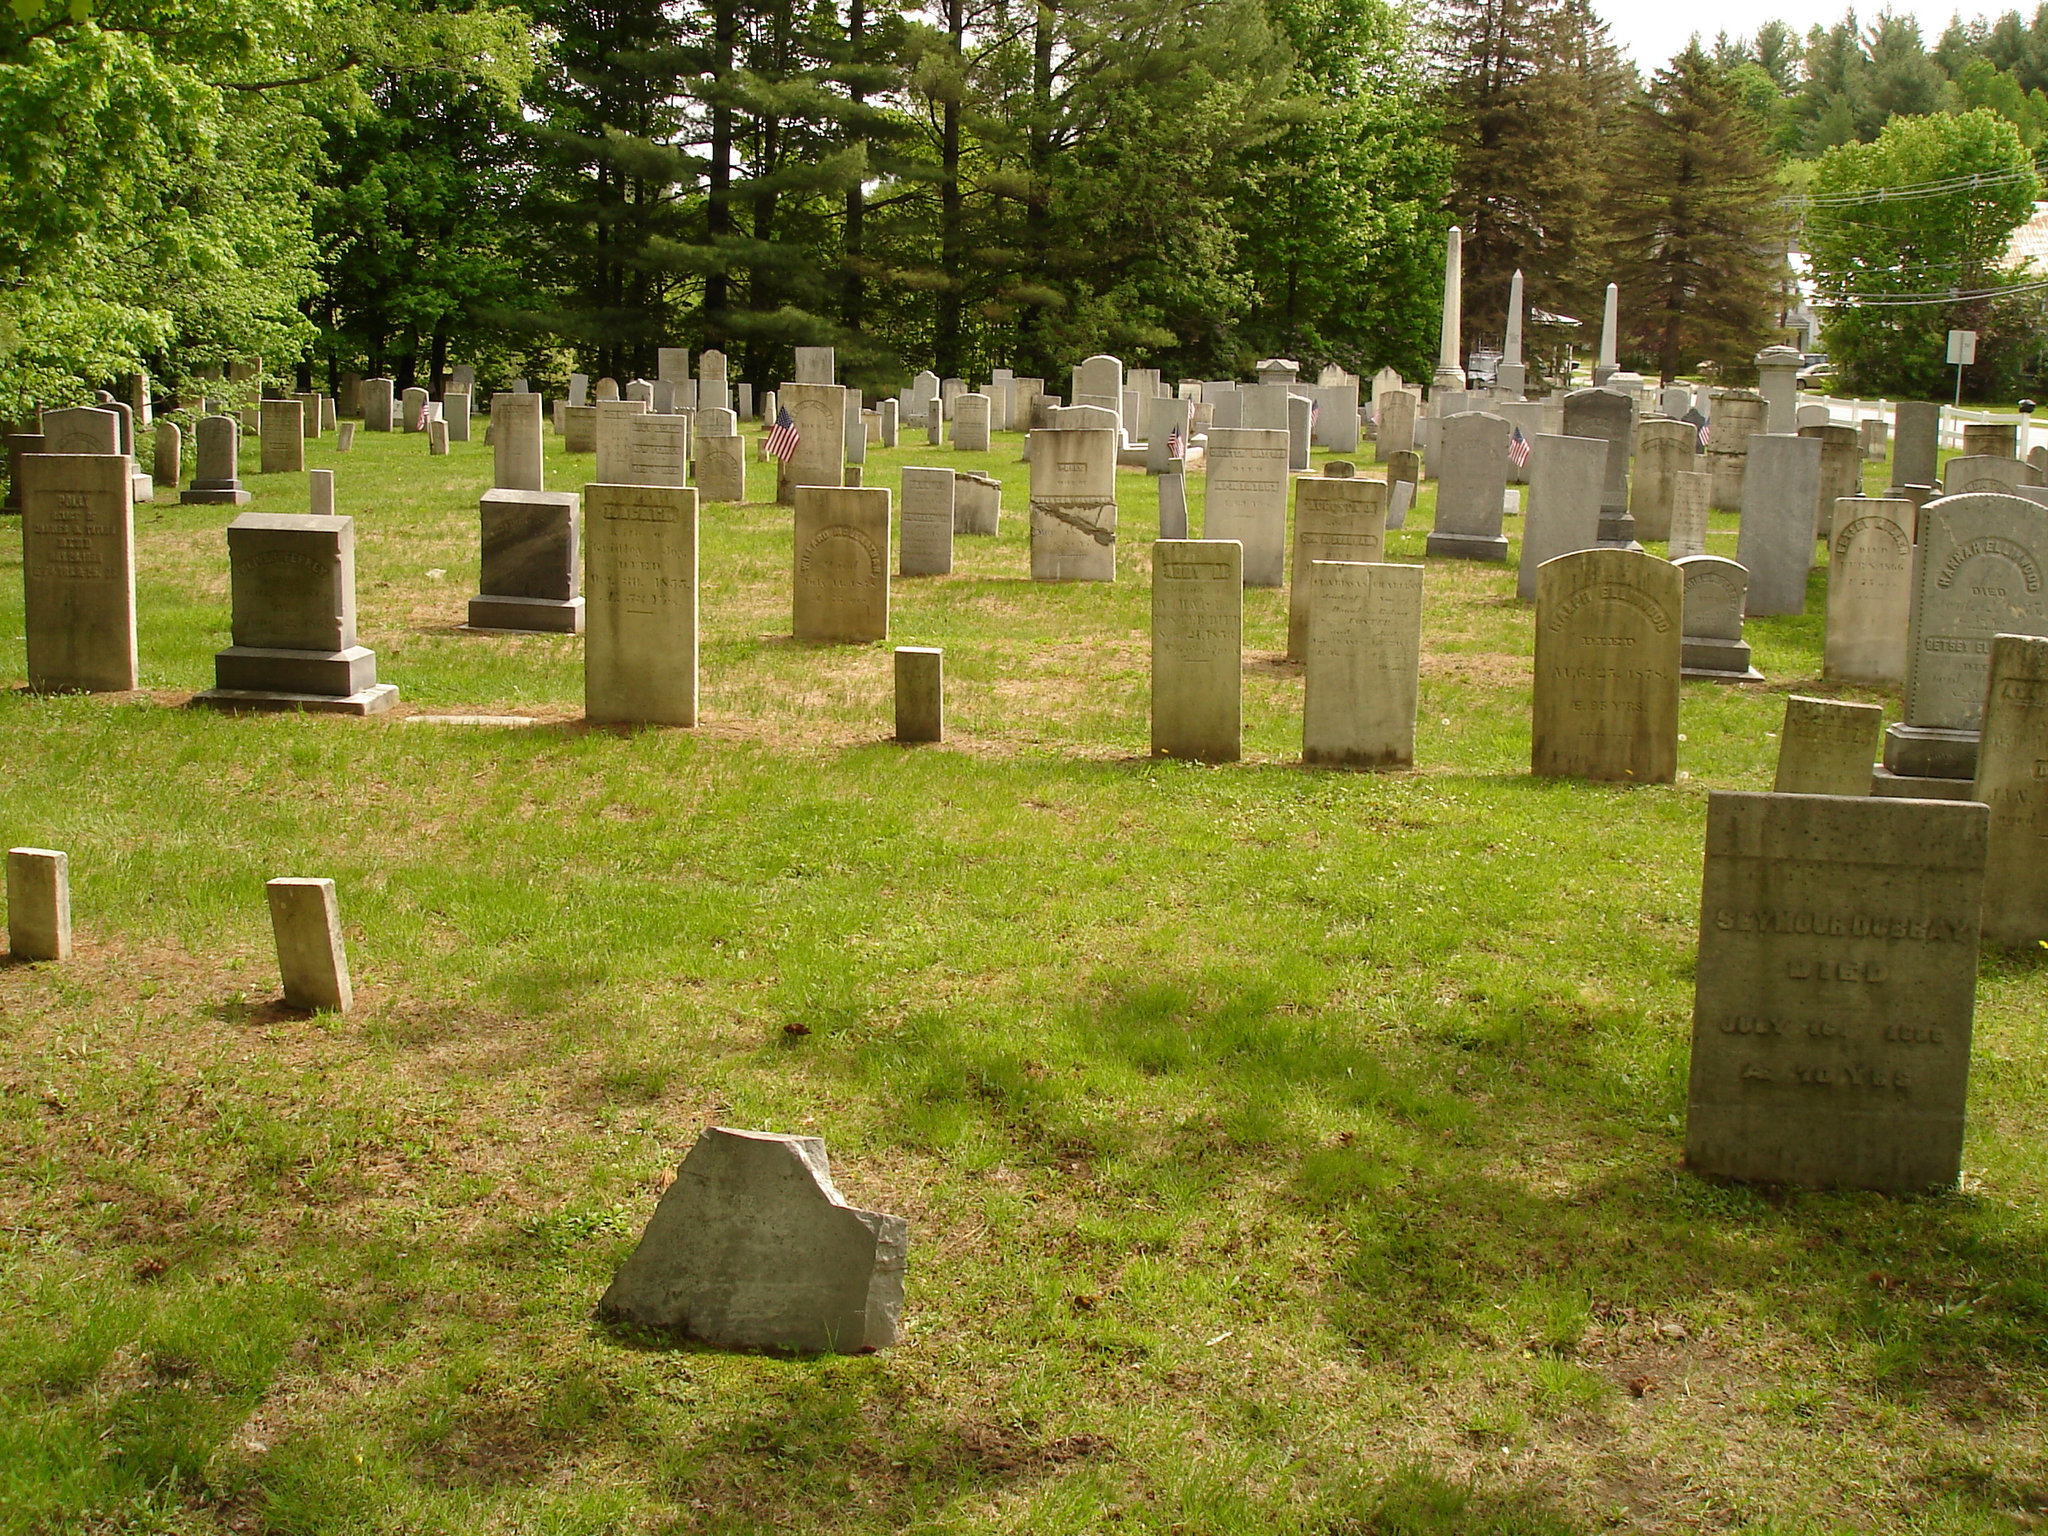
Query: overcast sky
{"x":1653,"y":30}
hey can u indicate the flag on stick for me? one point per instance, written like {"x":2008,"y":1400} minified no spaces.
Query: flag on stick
{"x":1518,"y":449}
{"x":783,"y":440}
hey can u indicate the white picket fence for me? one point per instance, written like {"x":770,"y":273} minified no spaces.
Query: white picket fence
{"x":1843,"y":412}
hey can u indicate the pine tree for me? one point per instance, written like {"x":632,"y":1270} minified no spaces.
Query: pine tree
{"x":1696,"y":238}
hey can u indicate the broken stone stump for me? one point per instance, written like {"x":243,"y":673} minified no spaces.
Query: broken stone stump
{"x":752,"y":1248}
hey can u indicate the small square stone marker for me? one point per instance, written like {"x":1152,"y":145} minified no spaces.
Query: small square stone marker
{"x":1835,"y":990}
{"x":920,"y":693}
{"x":38,"y":904}
{"x":1827,"y":747}
{"x":305,"y":919}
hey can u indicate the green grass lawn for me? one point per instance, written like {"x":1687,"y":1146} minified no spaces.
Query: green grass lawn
{"x":1285,"y":1151}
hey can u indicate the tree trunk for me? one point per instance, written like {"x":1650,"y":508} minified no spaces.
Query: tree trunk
{"x":948,"y":344}
{"x":853,"y":287}
{"x":717,"y":208}
{"x":1034,"y":350}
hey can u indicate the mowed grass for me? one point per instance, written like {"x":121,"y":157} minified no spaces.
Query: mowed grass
{"x":1285,"y":1151}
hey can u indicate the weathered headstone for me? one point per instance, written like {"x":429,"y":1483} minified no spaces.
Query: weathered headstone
{"x":1986,"y":472}
{"x":1834,"y":991}
{"x":516,"y":443}
{"x":1247,"y":499}
{"x":970,"y":423}
{"x":927,"y":523}
{"x":854,"y":430}
{"x":1565,"y":478}
{"x":1979,"y":573}
{"x":305,"y":922}
{"x":437,"y":437}
{"x":1396,"y":415}
{"x":1916,"y":439}
{"x":1300,"y":426}
{"x":82,"y":429}
{"x":1073,"y":503}
{"x":1777,"y":370}
{"x":1738,"y":416}
{"x":640,"y":651}
{"x":1335,"y":519}
{"x":293,"y":625}
{"x":1472,"y":477}
{"x":579,"y":427}
{"x":1691,"y":493}
{"x":1870,"y":591}
{"x":529,"y":563}
{"x":1775,"y":544}
{"x":1827,"y":746}
{"x":642,"y":449}
{"x":1169,"y":430}
{"x":2012,"y":778}
{"x":413,"y":410}
{"x":890,"y":418}
{"x":378,"y":407}
{"x":216,"y":475}
{"x":579,"y":390}
{"x":1608,"y":642}
{"x":167,"y":467}
{"x":605,"y":391}
{"x":455,"y":411}
{"x":920,"y":693}
{"x":977,"y":504}
{"x":1665,"y":449}
{"x":722,"y":468}
{"x":672,"y":364}
{"x":1173,"y":506}
{"x":1610,"y":417}
{"x":320,"y":492}
{"x":753,"y":1248}
{"x":1841,"y":470}
{"x":78,"y":572}
{"x":1198,"y":649}
{"x":841,"y":583}
{"x":819,"y":411}
{"x":345,"y":437}
{"x":1991,"y":439}
{"x":1364,"y":655}
{"x":309,"y":414}
{"x":1873,"y":436}
{"x":38,"y":904}
{"x":1714,"y":649}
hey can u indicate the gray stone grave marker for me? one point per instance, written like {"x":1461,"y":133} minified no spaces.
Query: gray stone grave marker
{"x":1776,"y":541}
{"x":529,"y":563}
{"x":1565,"y":478}
{"x":516,"y":463}
{"x":977,"y":503}
{"x":38,"y":904}
{"x":841,"y":580}
{"x":640,"y":653}
{"x":1473,"y":476}
{"x":1364,"y":654}
{"x":305,"y":922}
{"x":1607,"y":667}
{"x":2012,"y":779}
{"x":1197,"y":649}
{"x":1247,"y":499}
{"x":78,"y":572}
{"x":920,"y":693}
{"x":928,"y":522}
{"x":1827,"y":746}
{"x":1714,"y":649}
{"x":1073,"y":503}
{"x":1335,"y":519}
{"x":1870,"y":591}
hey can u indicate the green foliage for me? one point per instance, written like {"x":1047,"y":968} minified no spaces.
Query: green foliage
{"x":1921,"y":248}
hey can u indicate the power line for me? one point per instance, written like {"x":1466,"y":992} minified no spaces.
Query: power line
{"x":1973,"y":181}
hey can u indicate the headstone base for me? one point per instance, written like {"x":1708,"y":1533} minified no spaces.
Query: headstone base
{"x":1617,"y":531}
{"x":1925,"y":751}
{"x":373,"y":700}
{"x":527,"y":615}
{"x":1461,"y":546}
{"x":1717,"y":661}
{"x":210,"y":496}
{"x":1903,"y":786}
{"x":260,"y":669}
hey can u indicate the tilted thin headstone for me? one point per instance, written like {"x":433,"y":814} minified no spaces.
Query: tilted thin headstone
{"x":305,"y":922}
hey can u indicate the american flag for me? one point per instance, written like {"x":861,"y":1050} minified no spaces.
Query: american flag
{"x":783,"y":440}
{"x":1176,"y":445}
{"x":420,"y":425}
{"x":1518,"y":449}
{"x":1315,"y":412}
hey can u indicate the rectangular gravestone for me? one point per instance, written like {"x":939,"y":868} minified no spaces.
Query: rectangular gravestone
{"x":841,"y":578}
{"x":1841,"y":470}
{"x":971,"y":423}
{"x":1364,"y":653}
{"x":642,"y":449}
{"x":305,"y":923}
{"x":1610,"y":417}
{"x":1197,"y":649}
{"x":529,"y":564}
{"x":282,"y":436}
{"x":1834,"y":992}
{"x":1336,"y":520}
{"x":1396,"y":429}
{"x":1916,"y":439}
{"x":38,"y":904}
{"x":1169,"y":429}
{"x":1565,"y":476}
{"x":1608,"y":641}
{"x":1986,"y":472}
{"x":817,"y":365}
{"x":1664,"y":450}
{"x":977,"y":503}
{"x":1981,"y":571}
{"x":379,"y":408}
{"x":1472,"y":460}
{"x":78,"y":572}
{"x":1827,"y":746}
{"x":1073,"y":503}
{"x":1247,"y":499}
{"x":1691,"y":495}
{"x":1714,"y":650}
{"x":1775,"y":546}
{"x":2012,"y":779}
{"x":640,"y":653}
{"x":579,"y":428}
{"x":516,"y":442}
{"x":455,"y":411}
{"x":722,"y":468}
{"x":1870,"y":591}
{"x":293,"y":621}
{"x":928,"y":523}
{"x":920,"y":693}
{"x":819,"y":412}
